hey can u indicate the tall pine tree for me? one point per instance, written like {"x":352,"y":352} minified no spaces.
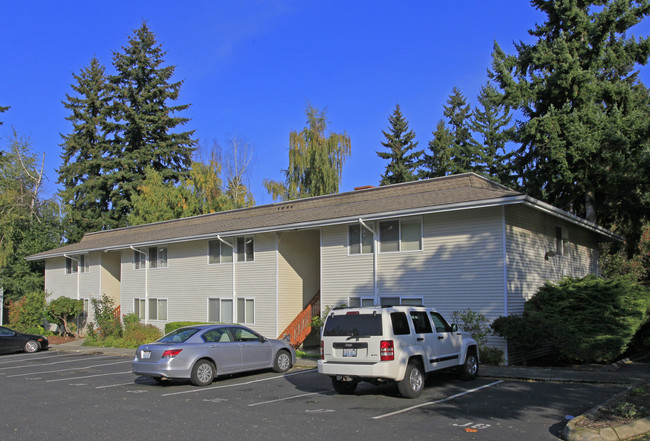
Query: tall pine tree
{"x":438,"y":162}
{"x":404,"y":160}
{"x":586,"y":113}
{"x":143,"y":121}
{"x":84,"y":171}
{"x":491,"y":121}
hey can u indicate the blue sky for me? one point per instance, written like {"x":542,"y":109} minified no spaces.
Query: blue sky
{"x":250,"y":67}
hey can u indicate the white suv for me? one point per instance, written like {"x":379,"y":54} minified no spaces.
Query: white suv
{"x":393,"y":343}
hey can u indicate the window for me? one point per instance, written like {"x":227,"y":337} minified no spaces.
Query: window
{"x":245,"y":249}
{"x":356,"y":302}
{"x":219,"y":335}
{"x":84,"y":313}
{"x":220,"y":310}
{"x":421,"y":323}
{"x":242,"y":334}
{"x":360,"y":240}
{"x":400,"y":324}
{"x":245,"y":311}
{"x":76,"y":264}
{"x":561,"y":242}
{"x":440,"y":323}
{"x":219,"y":252}
{"x":157,"y":309}
{"x":157,"y":257}
{"x":396,"y":301}
{"x":138,"y":308}
{"x":400,"y":235}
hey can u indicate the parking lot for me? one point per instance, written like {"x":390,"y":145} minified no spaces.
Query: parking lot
{"x":63,"y":395}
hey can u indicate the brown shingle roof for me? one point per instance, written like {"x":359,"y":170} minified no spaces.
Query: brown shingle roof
{"x":408,"y":198}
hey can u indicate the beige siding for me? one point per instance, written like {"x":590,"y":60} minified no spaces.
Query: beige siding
{"x":531,"y":235}
{"x":298,"y":273}
{"x":189,"y":280}
{"x":459,"y":267}
{"x":110,"y":276}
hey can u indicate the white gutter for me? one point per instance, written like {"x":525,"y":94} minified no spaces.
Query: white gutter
{"x":146,"y":283}
{"x":375,"y":260}
{"x":78,"y":271}
{"x":505,"y":269}
{"x":234,"y":274}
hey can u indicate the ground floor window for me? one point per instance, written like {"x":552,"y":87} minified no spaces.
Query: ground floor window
{"x":356,"y":302}
{"x":246,"y":311}
{"x":405,"y":301}
{"x":84,"y":313}
{"x":157,"y":309}
{"x":138,"y":308}
{"x":220,"y":310}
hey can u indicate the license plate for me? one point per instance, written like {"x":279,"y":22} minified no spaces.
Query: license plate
{"x":349,"y":352}
{"x":145,"y":354}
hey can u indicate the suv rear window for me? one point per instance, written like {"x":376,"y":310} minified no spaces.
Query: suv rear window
{"x":353,"y":324}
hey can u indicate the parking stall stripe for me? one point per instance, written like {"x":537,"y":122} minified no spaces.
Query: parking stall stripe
{"x":55,"y":362}
{"x":116,"y":385}
{"x":205,"y":389}
{"x":397,"y":412}
{"x":65,"y":370}
{"x":29,"y":357}
{"x":288,"y":398}
{"x":88,"y":376}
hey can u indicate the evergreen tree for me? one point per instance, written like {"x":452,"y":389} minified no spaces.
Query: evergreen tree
{"x":491,"y":121}
{"x":315,"y":161}
{"x":84,"y":172}
{"x":464,"y":152}
{"x":143,"y":121}
{"x":584,"y":137}
{"x":404,"y":162}
{"x":3,"y":110}
{"x":438,"y":163}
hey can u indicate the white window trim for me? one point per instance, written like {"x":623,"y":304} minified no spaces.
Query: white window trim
{"x":235,"y":256}
{"x":360,"y":253}
{"x":402,"y":298}
{"x":221,"y":245}
{"x":157,"y":299}
{"x":245,"y":322}
{"x":147,"y":264}
{"x":136,"y":300}
{"x":221,"y":300}
{"x":75,"y":264}
{"x":361,"y":299}
{"x":399,"y":240}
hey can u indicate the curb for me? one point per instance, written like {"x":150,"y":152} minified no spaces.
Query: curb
{"x":623,"y":432}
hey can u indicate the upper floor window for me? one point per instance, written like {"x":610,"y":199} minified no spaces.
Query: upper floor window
{"x":78,"y":264}
{"x":400,"y":235}
{"x":561,"y":242}
{"x":157,"y":257}
{"x":360,"y":240}
{"x":245,"y":249}
{"x":219,"y":252}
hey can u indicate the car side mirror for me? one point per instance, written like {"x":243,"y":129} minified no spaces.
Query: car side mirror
{"x":454,"y":328}
{"x":263,"y":339}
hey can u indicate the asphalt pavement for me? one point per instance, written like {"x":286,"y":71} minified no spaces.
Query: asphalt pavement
{"x":626,"y":372}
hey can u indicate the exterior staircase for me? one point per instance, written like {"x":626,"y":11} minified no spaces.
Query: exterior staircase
{"x":300,"y":327}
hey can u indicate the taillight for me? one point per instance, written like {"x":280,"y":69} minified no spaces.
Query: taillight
{"x":322,"y":350}
{"x":171,"y":353}
{"x":386,"y":350}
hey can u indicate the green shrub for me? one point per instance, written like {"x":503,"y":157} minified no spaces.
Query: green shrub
{"x":62,"y":311}
{"x":590,"y":320}
{"x":131,"y":318}
{"x":136,"y":334}
{"x":108,"y":323}
{"x":172,"y":326}
{"x":27,"y":313}
{"x":490,"y":355}
{"x":474,"y":323}
{"x":522,"y":333}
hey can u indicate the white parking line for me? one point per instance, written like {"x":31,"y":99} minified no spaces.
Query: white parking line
{"x":205,"y":389}
{"x":116,"y":385}
{"x":55,"y":362}
{"x":397,"y":412}
{"x":89,"y":376}
{"x":29,"y":357}
{"x":287,"y":398}
{"x":70,"y":369}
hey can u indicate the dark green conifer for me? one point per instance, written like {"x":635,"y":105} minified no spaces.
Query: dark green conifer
{"x":404,"y":159}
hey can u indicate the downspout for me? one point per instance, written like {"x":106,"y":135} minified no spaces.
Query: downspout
{"x":146,"y":283}
{"x":234,"y":274}
{"x":505,"y":269}
{"x":78,"y":271}
{"x":375,"y":262}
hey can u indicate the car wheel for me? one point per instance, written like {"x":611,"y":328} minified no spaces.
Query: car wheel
{"x":158,"y":380}
{"x":469,"y":369}
{"x":202,"y":373}
{"x":282,"y":362}
{"x":413,"y":383}
{"x":31,"y":346}
{"x":344,"y":387}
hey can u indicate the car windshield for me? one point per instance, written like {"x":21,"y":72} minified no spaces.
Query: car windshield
{"x":179,"y":335}
{"x":353,"y":325}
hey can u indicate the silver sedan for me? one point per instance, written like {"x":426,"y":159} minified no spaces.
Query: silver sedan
{"x":202,"y":352}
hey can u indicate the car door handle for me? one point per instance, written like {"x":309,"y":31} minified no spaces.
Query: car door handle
{"x":420,"y":338}
{"x":440,"y":337}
